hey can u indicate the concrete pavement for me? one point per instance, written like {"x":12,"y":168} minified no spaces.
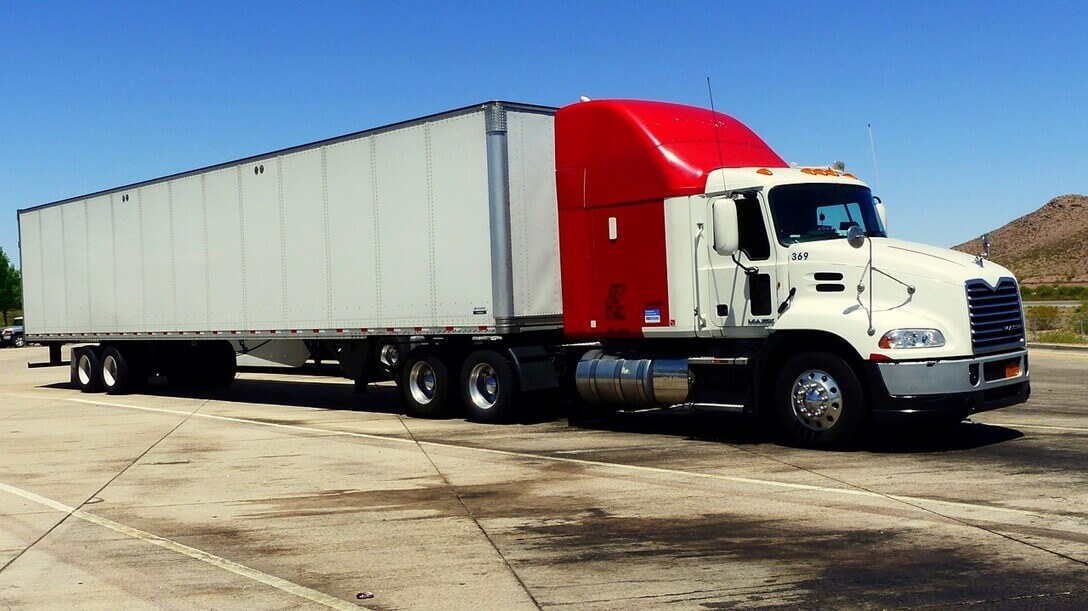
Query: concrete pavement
{"x":285,"y":491}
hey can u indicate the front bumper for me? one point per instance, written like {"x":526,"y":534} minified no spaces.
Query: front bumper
{"x":952,"y":387}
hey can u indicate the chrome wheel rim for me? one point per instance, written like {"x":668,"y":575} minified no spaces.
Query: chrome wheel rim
{"x":389,"y":356}
{"x":422,"y":382}
{"x":483,"y":386}
{"x":816,"y":400}
{"x":84,"y":369}
{"x":109,"y":371}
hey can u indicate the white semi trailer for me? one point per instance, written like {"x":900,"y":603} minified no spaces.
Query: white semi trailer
{"x":634,"y":254}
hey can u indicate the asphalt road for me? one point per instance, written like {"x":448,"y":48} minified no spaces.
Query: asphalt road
{"x":289,"y":492}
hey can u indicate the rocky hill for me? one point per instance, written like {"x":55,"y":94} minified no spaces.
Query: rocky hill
{"x":1047,"y":246}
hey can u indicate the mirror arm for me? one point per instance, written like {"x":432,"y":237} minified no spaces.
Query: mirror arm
{"x":749,"y":271}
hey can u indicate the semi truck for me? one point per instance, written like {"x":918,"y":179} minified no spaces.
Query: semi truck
{"x":626,"y":254}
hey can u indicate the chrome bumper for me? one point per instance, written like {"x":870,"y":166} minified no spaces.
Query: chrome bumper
{"x":949,"y":376}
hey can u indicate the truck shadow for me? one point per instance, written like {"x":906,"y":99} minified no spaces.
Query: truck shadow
{"x":690,"y":425}
{"x":735,"y":429}
{"x":310,"y":393}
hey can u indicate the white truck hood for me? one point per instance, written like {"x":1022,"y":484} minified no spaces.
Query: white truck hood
{"x":911,"y":258}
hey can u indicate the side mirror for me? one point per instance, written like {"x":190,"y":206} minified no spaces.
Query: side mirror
{"x":726,"y":228}
{"x":882,"y":212}
{"x":855,"y":236}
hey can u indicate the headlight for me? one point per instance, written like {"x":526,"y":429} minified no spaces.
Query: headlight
{"x":912,"y":338}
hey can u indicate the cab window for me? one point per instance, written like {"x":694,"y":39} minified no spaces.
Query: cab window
{"x":753,"y":230}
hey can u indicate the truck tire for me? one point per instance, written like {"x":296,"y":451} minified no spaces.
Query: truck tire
{"x":428,"y":389}
{"x":86,"y":369}
{"x":489,"y":388}
{"x":120,"y":374}
{"x":19,"y":341}
{"x":818,"y":400}
{"x":386,"y":357}
{"x":220,"y":364}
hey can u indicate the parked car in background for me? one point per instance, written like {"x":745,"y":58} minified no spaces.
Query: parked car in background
{"x":13,"y":335}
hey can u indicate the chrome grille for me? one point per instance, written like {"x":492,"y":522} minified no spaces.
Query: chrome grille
{"x":997,"y":320}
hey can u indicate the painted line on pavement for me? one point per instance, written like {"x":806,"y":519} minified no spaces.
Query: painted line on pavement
{"x":192,"y":552}
{"x":855,"y":492}
{"x":1038,"y":426}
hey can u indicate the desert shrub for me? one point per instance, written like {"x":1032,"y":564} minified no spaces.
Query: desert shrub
{"x":1042,"y":318}
{"x":1043,"y":292}
{"x":1061,"y":337}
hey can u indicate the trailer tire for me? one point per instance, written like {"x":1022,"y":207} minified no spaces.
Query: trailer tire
{"x":489,"y":388}
{"x":818,"y":400}
{"x":221,"y":365}
{"x":426,"y":386}
{"x":86,"y":369}
{"x":120,"y":372}
{"x":386,"y":358}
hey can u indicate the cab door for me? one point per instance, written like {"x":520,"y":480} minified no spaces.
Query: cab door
{"x":739,"y":298}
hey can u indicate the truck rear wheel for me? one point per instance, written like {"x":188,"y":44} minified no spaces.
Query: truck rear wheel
{"x":18,"y":341}
{"x":818,"y":400}
{"x":86,"y":369}
{"x":120,"y":372}
{"x":489,"y":388}
{"x":426,"y":386}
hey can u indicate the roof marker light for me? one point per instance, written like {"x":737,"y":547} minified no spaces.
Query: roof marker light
{"x":764,"y":171}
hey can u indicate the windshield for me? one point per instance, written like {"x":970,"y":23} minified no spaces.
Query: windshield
{"x":812,"y":212}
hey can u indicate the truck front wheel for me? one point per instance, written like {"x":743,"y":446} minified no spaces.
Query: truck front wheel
{"x":818,"y":400}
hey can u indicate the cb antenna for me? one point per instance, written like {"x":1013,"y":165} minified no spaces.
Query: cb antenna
{"x":714,"y":122}
{"x":872,"y":149}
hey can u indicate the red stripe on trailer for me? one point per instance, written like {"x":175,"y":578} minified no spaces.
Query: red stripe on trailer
{"x":317,"y":330}
{"x":363,"y":330}
{"x":339,"y":330}
{"x":449,"y":328}
{"x":272,"y":331}
{"x":418,"y":329}
{"x":390,"y":330}
{"x":294,"y":330}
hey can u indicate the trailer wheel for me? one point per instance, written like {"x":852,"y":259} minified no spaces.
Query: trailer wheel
{"x":489,"y":388}
{"x":221,"y":364}
{"x":426,"y":385}
{"x":86,"y":369}
{"x":120,"y":372}
{"x":388,"y":356}
{"x":818,"y":400}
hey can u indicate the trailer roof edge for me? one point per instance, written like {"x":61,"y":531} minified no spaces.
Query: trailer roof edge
{"x":518,"y":106}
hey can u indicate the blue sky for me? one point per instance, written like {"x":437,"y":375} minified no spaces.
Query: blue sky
{"x":980,"y":110}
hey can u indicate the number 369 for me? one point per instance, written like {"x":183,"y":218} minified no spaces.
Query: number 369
{"x":798,"y":256}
